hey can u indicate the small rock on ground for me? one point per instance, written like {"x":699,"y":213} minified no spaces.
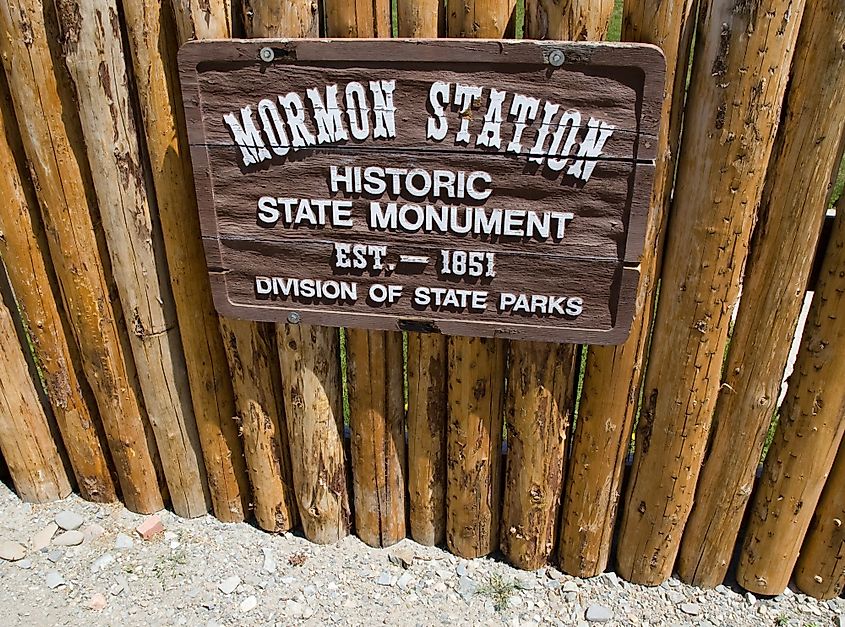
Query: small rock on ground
{"x":69,"y":521}
{"x":12,"y":551}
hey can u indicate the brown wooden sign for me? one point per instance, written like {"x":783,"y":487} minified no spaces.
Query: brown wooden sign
{"x":491,"y":188}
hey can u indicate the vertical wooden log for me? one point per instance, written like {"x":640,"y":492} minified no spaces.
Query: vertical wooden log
{"x":24,"y":248}
{"x":482,"y":19}
{"x":375,"y":363}
{"x":252,"y":354}
{"x":474,"y":445}
{"x":25,"y":438}
{"x":251,"y":347}
{"x":376,"y":418}
{"x":820,"y":571}
{"x":476,"y":371}
{"x":790,"y":218}
{"x":811,"y":427}
{"x":357,"y":18}
{"x":93,"y":53}
{"x":427,"y":357}
{"x":576,"y":20}
{"x":732,"y":114}
{"x":153,"y":44}
{"x":420,"y":18}
{"x":541,"y":396}
{"x":311,"y":372}
{"x":613,"y":374}
{"x":44,"y":105}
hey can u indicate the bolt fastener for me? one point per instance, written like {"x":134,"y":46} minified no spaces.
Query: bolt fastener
{"x":294,"y":317}
{"x":267,"y":54}
{"x":556,"y":57}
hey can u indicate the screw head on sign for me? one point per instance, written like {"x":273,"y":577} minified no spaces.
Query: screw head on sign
{"x":294,"y":317}
{"x":267,"y":54}
{"x":556,"y":57}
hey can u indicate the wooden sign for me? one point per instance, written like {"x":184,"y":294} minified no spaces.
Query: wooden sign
{"x":489,"y":188}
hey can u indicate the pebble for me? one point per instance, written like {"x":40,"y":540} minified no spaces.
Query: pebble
{"x":384,"y":578}
{"x":404,"y":581}
{"x":150,"y":528}
{"x":92,"y":532}
{"x":69,"y":538}
{"x":569,"y":586}
{"x":69,"y":521}
{"x":552,"y":584}
{"x":97,"y":602}
{"x":229,"y":585}
{"x":402,"y":556}
{"x":54,"y":580}
{"x":41,"y":539}
{"x":750,"y":598}
{"x":102,"y":562}
{"x":723,"y":590}
{"x":123,"y":541}
{"x":26,"y":564}
{"x":248,"y":604}
{"x":120,"y":585}
{"x":598,"y":614}
{"x":269,"y":564}
{"x":55,"y":555}
{"x":691,"y":609}
{"x":467,"y":587}
{"x":12,"y":551}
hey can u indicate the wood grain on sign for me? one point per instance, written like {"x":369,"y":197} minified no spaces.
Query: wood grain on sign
{"x":556,"y":238}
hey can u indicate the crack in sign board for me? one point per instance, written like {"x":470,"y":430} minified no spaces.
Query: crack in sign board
{"x":455,"y":186}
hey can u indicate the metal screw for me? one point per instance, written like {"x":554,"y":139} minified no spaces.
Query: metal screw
{"x":294,"y":317}
{"x":556,"y":57}
{"x":267,"y":54}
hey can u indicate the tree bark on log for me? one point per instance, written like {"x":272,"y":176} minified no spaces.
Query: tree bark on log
{"x":807,"y":438}
{"x":93,"y":53}
{"x":26,"y":440}
{"x":374,"y":364}
{"x":481,"y":19}
{"x":476,"y":369}
{"x":427,"y":361}
{"x":153,"y":42}
{"x":311,"y":372}
{"x":820,"y":571}
{"x":731,"y":116}
{"x":377,"y":421}
{"x":474,"y":445}
{"x":541,"y":399}
{"x":44,"y":104}
{"x":24,"y":248}
{"x":613,"y":374}
{"x":789,"y":222}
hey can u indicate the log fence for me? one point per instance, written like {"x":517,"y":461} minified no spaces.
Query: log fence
{"x":118,"y":379}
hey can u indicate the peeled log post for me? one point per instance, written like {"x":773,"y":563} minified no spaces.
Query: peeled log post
{"x":25,"y":438}
{"x":251,"y":350}
{"x":377,"y":421}
{"x":357,"y":18}
{"x":575,"y":20}
{"x":820,"y":571}
{"x":210,"y":19}
{"x":613,"y":374}
{"x":731,"y":116}
{"x":44,"y":104}
{"x":281,"y":18}
{"x":811,"y":427}
{"x":311,"y":372}
{"x":427,"y":357}
{"x":476,"y":371}
{"x":541,"y":398}
{"x":790,"y":219}
{"x":420,"y":18}
{"x":24,"y":249}
{"x":474,"y":445}
{"x":374,"y":363}
{"x":134,"y":240}
{"x":481,"y":19}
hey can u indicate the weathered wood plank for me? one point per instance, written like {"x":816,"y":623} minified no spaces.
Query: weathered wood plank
{"x":24,"y":248}
{"x":732,"y":115}
{"x":789,"y":221}
{"x":44,"y":104}
{"x":481,"y":19}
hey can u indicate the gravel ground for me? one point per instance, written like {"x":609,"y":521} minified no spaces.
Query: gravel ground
{"x":203,"y":572}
